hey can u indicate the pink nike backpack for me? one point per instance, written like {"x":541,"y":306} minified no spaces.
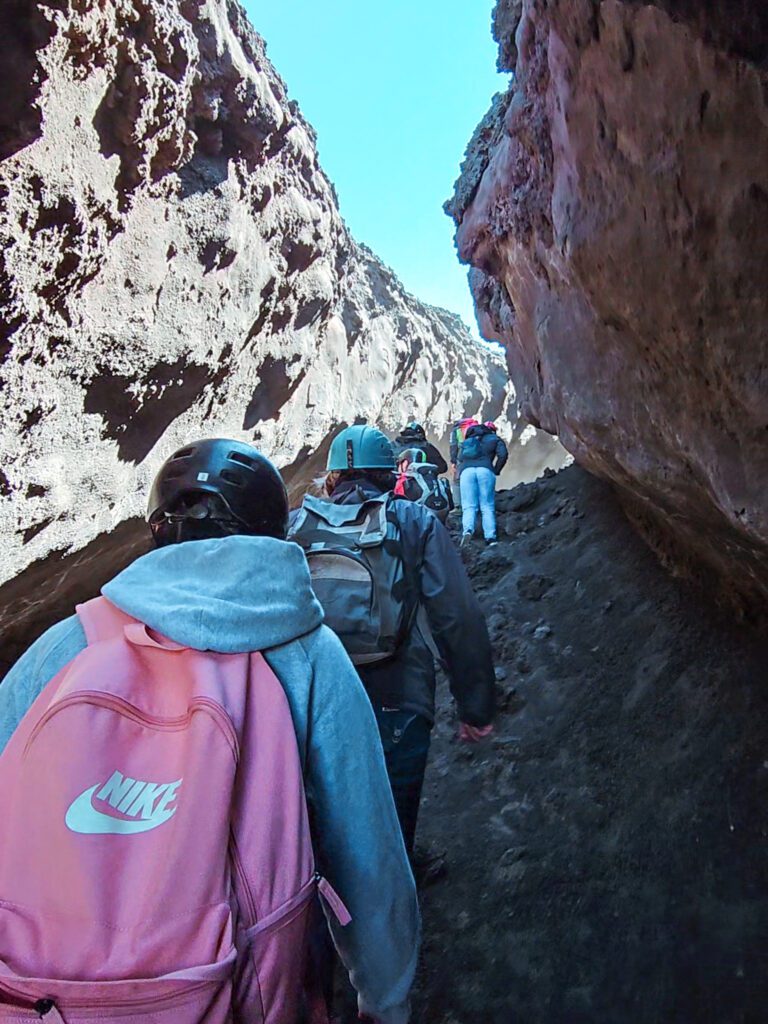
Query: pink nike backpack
{"x":155,"y":856}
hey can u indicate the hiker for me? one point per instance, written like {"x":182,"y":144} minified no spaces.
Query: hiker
{"x":417,"y":480}
{"x":482,"y":457}
{"x":394,"y":589}
{"x":458,"y":430}
{"x":160,"y":679}
{"x":414,"y":436}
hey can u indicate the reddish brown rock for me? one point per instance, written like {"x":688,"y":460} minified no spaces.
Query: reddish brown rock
{"x":615,"y":209}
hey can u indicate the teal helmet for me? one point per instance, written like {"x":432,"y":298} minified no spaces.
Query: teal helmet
{"x":361,"y":447}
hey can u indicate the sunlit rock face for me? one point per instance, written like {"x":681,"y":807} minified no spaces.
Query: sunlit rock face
{"x":173,"y":265}
{"x":614,"y":208}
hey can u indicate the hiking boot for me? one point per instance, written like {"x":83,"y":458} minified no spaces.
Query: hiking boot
{"x":429,"y":865}
{"x":491,"y":542}
{"x":465,"y":539}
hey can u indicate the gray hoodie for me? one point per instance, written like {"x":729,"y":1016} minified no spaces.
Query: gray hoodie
{"x":242,"y":594}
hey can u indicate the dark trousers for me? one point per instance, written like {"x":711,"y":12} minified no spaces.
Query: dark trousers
{"x":405,"y":738}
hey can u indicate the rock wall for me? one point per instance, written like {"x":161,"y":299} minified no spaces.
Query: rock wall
{"x":614,"y":207}
{"x":173,"y":264}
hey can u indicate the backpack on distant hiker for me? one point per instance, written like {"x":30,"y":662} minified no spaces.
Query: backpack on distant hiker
{"x":472,"y":448}
{"x":156,"y":862}
{"x":422,"y":484}
{"x":460,"y":433}
{"x":358,"y":574}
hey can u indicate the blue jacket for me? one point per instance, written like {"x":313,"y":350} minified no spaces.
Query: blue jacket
{"x":492,"y":452}
{"x":253,"y":594}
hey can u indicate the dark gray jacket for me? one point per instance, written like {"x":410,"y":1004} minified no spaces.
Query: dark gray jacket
{"x":493,"y":452}
{"x":455,"y":619}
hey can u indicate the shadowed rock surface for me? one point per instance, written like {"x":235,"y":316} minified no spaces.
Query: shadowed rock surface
{"x":614,"y":208}
{"x":173,"y":265}
{"x":607,"y":854}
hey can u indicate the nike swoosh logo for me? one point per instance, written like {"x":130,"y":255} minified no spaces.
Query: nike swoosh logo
{"x":82,"y":817}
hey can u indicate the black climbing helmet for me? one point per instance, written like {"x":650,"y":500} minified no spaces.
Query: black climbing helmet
{"x":215,"y":488}
{"x":414,"y":430}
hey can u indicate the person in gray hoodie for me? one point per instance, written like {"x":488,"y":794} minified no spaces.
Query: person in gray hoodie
{"x":236,"y":586}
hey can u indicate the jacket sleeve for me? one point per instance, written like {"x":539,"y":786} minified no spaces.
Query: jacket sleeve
{"x":454,"y":447}
{"x":358,"y":842}
{"x":501,"y":454}
{"x":34,"y":670}
{"x":455,"y":619}
{"x":434,"y":456}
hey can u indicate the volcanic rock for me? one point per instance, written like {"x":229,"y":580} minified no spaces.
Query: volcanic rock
{"x":614,"y":208}
{"x":606,"y":848}
{"x":173,"y":264}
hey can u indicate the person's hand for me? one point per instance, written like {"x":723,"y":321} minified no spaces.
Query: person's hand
{"x":473,"y":733}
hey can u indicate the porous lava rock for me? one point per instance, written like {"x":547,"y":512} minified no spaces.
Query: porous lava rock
{"x":173,"y":264}
{"x":614,"y":209}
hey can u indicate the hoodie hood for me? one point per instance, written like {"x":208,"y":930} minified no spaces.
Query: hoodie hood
{"x":355,"y":492}
{"x":230,"y":595}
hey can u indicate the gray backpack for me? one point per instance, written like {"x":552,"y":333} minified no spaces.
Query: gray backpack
{"x":358,"y":574}
{"x":433,"y":491}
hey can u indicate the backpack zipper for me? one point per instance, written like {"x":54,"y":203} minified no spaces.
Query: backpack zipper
{"x":99,"y":1002}
{"x":250,"y":906}
{"x":114,"y":703}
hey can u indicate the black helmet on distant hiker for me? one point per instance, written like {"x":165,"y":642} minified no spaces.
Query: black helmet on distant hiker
{"x":415,"y":430}
{"x":214,"y":488}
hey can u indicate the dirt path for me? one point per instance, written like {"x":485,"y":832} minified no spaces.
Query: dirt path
{"x":607,"y":850}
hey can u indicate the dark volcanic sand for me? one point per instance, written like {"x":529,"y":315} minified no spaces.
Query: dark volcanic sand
{"x":607,"y":851}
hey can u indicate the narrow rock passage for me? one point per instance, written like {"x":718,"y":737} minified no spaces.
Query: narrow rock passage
{"x":607,"y":849}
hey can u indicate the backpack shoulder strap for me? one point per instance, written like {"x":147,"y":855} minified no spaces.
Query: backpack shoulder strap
{"x":375,"y":529}
{"x":101,"y":620}
{"x":422,"y":624}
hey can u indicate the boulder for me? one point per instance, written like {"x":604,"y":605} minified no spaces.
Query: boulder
{"x":614,"y":210}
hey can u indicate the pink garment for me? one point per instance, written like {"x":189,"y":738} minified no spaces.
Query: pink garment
{"x":156,"y":862}
{"x":473,"y":733}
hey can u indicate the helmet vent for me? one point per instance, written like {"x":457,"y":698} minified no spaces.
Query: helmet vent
{"x":243,"y":459}
{"x":231,"y":477}
{"x":183,"y":454}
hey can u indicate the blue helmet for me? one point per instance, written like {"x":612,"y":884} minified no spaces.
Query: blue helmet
{"x":361,"y":447}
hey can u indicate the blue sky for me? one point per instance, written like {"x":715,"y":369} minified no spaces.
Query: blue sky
{"x":394,"y":91}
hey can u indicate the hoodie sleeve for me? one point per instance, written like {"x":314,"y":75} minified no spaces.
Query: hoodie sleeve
{"x":359,"y":846}
{"x":501,"y":454}
{"x":34,"y":670}
{"x":455,"y":618}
